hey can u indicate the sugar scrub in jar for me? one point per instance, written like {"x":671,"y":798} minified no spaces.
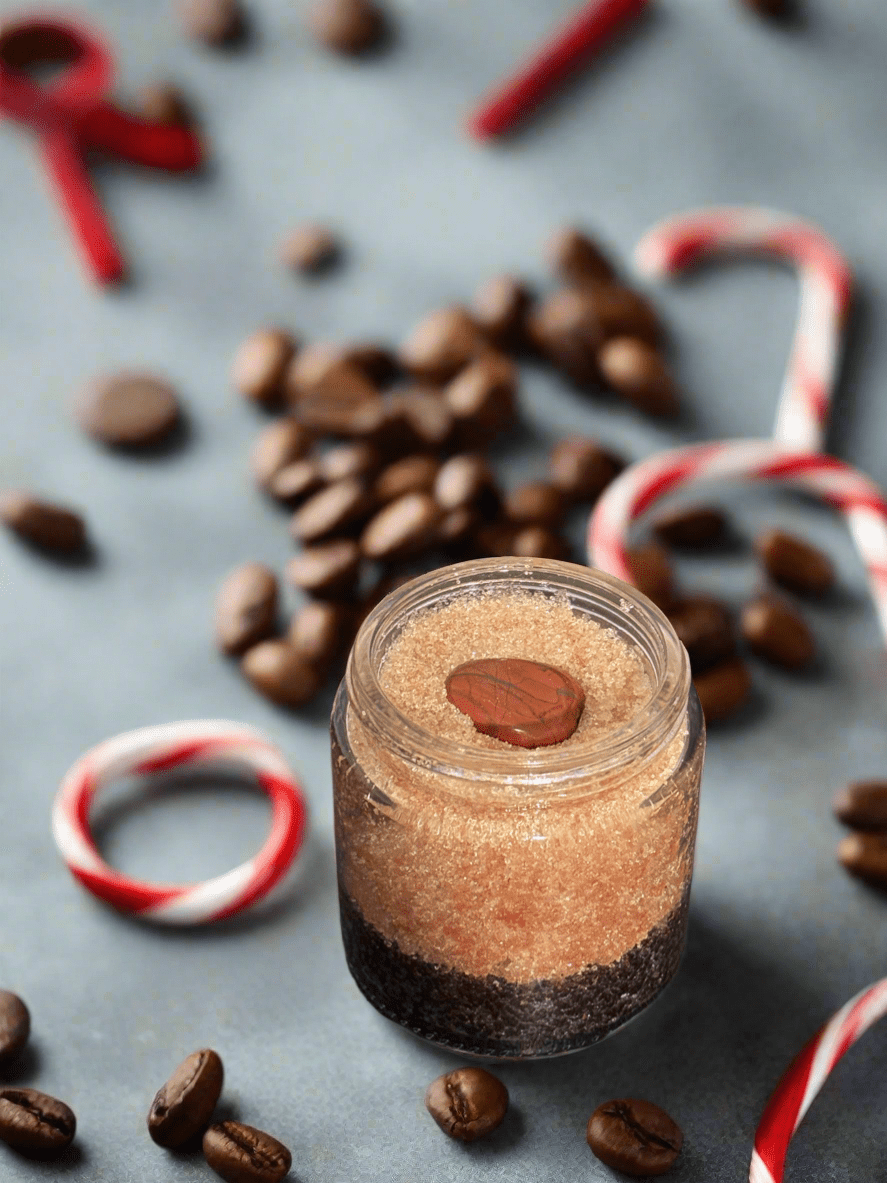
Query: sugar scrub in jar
{"x":517,"y":752}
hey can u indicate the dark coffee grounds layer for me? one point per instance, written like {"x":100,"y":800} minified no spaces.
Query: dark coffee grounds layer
{"x":490,"y":1016}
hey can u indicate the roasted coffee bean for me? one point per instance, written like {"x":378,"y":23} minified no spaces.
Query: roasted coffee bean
{"x":482,"y":399}
{"x":183,"y":1107}
{"x":403,"y":527}
{"x":129,"y":410}
{"x":417,"y":419}
{"x":695,"y":528}
{"x":467,"y":480}
{"x":164,"y":102}
{"x":537,"y":503}
{"x":774,"y":9}
{"x":328,"y":569}
{"x":347,"y":26}
{"x":279,"y":445}
{"x":332,"y":510}
{"x":862,"y":805}
{"x":342,"y":412}
{"x":378,"y":362}
{"x":242,"y":1154}
{"x":360,"y":459}
{"x":35,"y":1124}
{"x":621,"y":312}
{"x":581,"y":468}
{"x":246,"y":608}
{"x":412,"y":474}
{"x":577,"y":260}
{"x":467,"y":1103}
{"x":279,"y":671}
{"x":500,"y":308}
{"x":321,"y":630}
{"x":495,"y":540}
{"x":652,"y":573}
{"x":310,"y":248}
{"x":537,"y":542}
{"x":442,"y":344}
{"x":15,"y":1025}
{"x":777,"y":631}
{"x":296,"y":482}
{"x":456,"y":529}
{"x":722,"y":689}
{"x":260,"y":365}
{"x":794,"y":563}
{"x":864,"y":856}
{"x":565,"y":329}
{"x":215,"y":22}
{"x":636,"y":371}
{"x":321,"y":365}
{"x":634,"y":1136}
{"x":42,"y":523}
{"x":705,"y":629}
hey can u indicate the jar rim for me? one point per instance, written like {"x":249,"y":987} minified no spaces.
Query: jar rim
{"x":655,"y":724}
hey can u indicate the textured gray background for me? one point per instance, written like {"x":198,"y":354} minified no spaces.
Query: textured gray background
{"x":702,"y":104}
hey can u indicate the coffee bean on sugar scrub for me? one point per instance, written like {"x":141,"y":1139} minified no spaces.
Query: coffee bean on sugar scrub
{"x":327,"y":568}
{"x":183,"y":1107}
{"x":482,"y":399}
{"x":442,"y":344}
{"x":698,"y":527}
{"x":723,"y":689}
{"x":577,"y":260}
{"x":260,"y":365}
{"x":635,"y":1137}
{"x":581,"y":468}
{"x":279,"y":672}
{"x":240,"y":1153}
{"x":500,"y":308}
{"x":406,"y":526}
{"x":321,"y":630}
{"x":777,"y":632}
{"x":705,"y":628}
{"x":637,"y":373}
{"x":246,"y":608}
{"x":278,"y":445}
{"x":35,"y":1124}
{"x":332,"y":510}
{"x":794,"y":563}
{"x":349,"y":27}
{"x":15,"y":1026}
{"x":129,"y":409}
{"x":524,"y":703}
{"x":310,"y":248}
{"x":468,"y":1103}
{"x":217,"y":23}
{"x":863,"y":805}
{"x":43,"y":524}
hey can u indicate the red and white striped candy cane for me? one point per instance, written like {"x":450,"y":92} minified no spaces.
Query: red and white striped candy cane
{"x":826,"y":284}
{"x":641,"y":485}
{"x":152,"y":750}
{"x":806,"y":1076}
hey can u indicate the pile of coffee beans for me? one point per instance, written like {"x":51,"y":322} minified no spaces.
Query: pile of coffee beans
{"x":770,"y":625}
{"x":862,"y":806}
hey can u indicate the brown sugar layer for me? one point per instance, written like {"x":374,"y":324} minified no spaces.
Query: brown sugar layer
{"x":491,"y":1016}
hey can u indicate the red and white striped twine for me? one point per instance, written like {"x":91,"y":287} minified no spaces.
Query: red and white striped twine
{"x":153,"y":750}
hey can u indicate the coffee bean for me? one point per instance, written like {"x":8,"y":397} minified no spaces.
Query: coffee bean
{"x":537,"y":542}
{"x":347,"y":26}
{"x":324,"y":364}
{"x":215,"y":22}
{"x":378,"y":362}
{"x":332,"y":510}
{"x":577,"y":260}
{"x":695,"y":528}
{"x":636,"y":371}
{"x":296,"y":482}
{"x":652,"y":573}
{"x":164,"y":102}
{"x":35,"y":1124}
{"x":42,"y":523}
{"x":495,"y":540}
{"x":359,"y":459}
{"x":310,"y":248}
{"x":279,"y":671}
{"x":328,"y":569}
{"x":467,"y":480}
{"x":15,"y":1025}
{"x":321,"y":630}
{"x":246,"y":608}
{"x":412,"y":474}
{"x":565,"y":329}
{"x":183,"y":1107}
{"x":129,"y":410}
{"x":537,"y":503}
{"x":338,"y":407}
{"x":794,"y":563}
{"x":456,"y":529}
{"x":500,"y":308}
{"x":277,"y":446}
{"x":618,"y":311}
{"x":242,"y":1154}
{"x":581,"y":468}
{"x":481,"y":399}
{"x":864,"y":856}
{"x":634,"y":1136}
{"x":467,"y":1103}
{"x":417,"y":419}
{"x":260,"y":365}
{"x":442,"y":344}
{"x":722,"y":689}
{"x":520,"y":702}
{"x":777,"y":631}
{"x":773,"y":9}
{"x":705,"y":629}
{"x":403,"y":527}
{"x":863,"y":805}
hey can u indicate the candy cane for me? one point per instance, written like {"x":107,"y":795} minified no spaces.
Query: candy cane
{"x":153,"y":750}
{"x":641,"y":485}
{"x":826,"y":284}
{"x":805,"y":1077}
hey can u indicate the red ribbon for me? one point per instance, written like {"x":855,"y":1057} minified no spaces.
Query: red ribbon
{"x":70,"y":117}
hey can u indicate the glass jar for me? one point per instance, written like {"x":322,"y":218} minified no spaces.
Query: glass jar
{"x":504,"y":901}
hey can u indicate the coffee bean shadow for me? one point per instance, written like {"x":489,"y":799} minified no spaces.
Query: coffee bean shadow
{"x":23,"y":1068}
{"x":71,"y":1159}
{"x":753,"y":711}
{"x":507,"y":1137}
{"x":86,"y":558}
